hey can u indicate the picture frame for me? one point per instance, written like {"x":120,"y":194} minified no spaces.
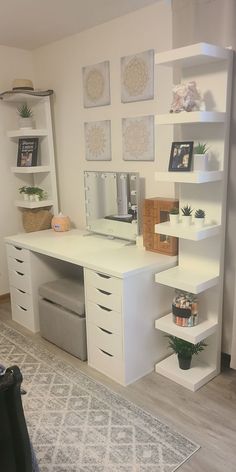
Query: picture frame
{"x":181,"y":156}
{"x":27,"y":152}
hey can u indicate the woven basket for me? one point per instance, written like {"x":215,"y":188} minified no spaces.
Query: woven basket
{"x":36,"y":219}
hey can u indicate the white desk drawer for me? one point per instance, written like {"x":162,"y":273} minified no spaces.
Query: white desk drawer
{"x":18,"y":265}
{"x":18,"y":252}
{"x":104,"y":298}
{"x":105,"y":363}
{"x":23,"y":316}
{"x":20,"y":280}
{"x":19,"y":297}
{"x":109,"y":342}
{"x":104,"y":317}
{"x":104,"y":282}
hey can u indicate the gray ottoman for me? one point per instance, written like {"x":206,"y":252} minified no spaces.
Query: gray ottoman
{"x":62,"y":315}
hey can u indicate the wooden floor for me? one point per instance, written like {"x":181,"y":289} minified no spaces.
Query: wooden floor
{"x":208,"y":416}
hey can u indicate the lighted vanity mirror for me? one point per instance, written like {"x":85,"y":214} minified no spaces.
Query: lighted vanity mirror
{"x":111,"y":202}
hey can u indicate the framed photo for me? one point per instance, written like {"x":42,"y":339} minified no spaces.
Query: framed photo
{"x":27,"y":152}
{"x":181,"y":156}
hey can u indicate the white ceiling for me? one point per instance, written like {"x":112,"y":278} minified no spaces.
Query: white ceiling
{"x":29,"y":24}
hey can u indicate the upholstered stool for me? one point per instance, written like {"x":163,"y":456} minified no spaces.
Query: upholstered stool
{"x":62,"y":315}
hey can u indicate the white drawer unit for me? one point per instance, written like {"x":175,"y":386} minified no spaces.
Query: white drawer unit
{"x":106,"y":341}
{"x":18,"y":252}
{"x":106,"y":363}
{"x":20,"y":280}
{"x":104,"y":317}
{"x":19,"y":297}
{"x":19,"y":265}
{"x":23,"y":316}
{"x":104,"y":282}
{"x":104,"y":298}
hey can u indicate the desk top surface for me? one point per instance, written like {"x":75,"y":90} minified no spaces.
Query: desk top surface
{"x":114,"y":257}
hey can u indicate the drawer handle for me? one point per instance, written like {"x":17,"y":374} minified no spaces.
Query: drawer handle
{"x":104,"y":330}
{"x":18,"y":248}
{"x":104,"y":308}
{"x":19,"y":290}
{"x":19,"y":273}
{"x":103,"y":276}
{"x":105,"y":352}
{"x":22,"y":308}
{"x":103,"y":291}
{"x":18,"y":260}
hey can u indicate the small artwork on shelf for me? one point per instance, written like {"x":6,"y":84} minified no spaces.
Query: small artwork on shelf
{"x":181,"y":156}
{"x":98,"y":140}
{"x":96,"y":85}
{"x":27,"y":152}
{"x":138,"y":138}
{"x":137,"y":77}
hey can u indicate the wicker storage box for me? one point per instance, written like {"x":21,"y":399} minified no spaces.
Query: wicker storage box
{"x":36,"y":219}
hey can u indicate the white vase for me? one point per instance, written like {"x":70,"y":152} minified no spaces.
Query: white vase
{"x":26,"y":123}
{"x":174,"y":219}
{"x":200,"y":162}
{"x":186,"y":220}
{"x":199,"y":222}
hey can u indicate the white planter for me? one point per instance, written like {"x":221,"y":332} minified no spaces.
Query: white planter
{"x":31,"y":198}
{"x":26,"y":197}
{"x":186,"y":220}
{"x":200,"y":162}
{"x":174,"y":219}
{"x":199,"y":222}
{"x":36,"y":198}
{"x":26,"y":123}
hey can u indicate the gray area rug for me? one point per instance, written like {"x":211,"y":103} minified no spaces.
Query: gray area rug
{"x":78,"y":425}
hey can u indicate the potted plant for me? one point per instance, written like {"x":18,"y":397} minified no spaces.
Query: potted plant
{"x":174,"y":216}
{"x":22,"y":191}
{"x":184,"y":350}
{"x":26,"y":116}
{"x":200,"y":157}
{"x":33,"y":193}
{"x":199,"y":218}
{"x":186,"y":215}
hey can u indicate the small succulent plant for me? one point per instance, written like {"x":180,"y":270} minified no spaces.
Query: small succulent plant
{"x":24,"y":111}
{"x":187,"y":210}
{"x":201,"y":148}
{"x":33,"y":191}
{"x":199,"y":213}
{"x":174,"y":211}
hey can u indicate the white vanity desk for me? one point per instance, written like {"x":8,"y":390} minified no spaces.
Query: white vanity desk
{"x":122,"y":298}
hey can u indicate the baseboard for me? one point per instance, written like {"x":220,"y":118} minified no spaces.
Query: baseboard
{"x":5,"y":297}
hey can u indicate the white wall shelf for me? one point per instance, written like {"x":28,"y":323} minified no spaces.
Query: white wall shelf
{"x":196,"y":177}
{"x":30,"y":170}
{"x":26,"y":204}
{"x":193,"y":55}
{"x":24,"y":97}
{"x":193,"y":379}
{"x":26,"y":133}
{"x":190,"y":117}
{"x":190,"y":232}
{"x":188,"y":280}
{"x":193,"y":335}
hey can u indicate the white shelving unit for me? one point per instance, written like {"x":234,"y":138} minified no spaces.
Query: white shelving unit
{"x":43,"y":175}
{"x":200,"y":267}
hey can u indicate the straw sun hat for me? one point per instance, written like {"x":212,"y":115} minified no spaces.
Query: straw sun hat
{"x":22,"y":84}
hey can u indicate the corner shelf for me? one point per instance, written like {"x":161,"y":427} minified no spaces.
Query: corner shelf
{"x":24,"y":133}
{"x":30,"y":170}
{"x":193,"y":55}
{"x":185,"y":117}
{"x":197,"y":177}
{"x":190,"y":232}
{"x":194,"y":282}
{"x":193,"y":379}
{"x":42,"y":203}
{"x":193,"y":335}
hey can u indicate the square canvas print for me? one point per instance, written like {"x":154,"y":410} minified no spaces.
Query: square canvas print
{"x":138,"y":138}
{"x":96,"y":85}
{"x":137,"y":77}
{"x":98,"y":140}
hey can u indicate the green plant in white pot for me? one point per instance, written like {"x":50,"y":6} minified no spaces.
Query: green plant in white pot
{"x":184,"y":350}
{"x":174,"y":216}
{"x":200,"y":157}
{"x":25,"y":116}
{"x":23,"y":192}
{"x":186,"y":215}
{"x":33,"y":193}
{"x":199,"y":218}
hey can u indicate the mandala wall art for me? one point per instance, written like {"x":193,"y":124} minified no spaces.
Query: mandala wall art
{"x":138,"y":138}
{"x":96,"y":85}
{"x":137,"y":77}
{"x":98,"y":140}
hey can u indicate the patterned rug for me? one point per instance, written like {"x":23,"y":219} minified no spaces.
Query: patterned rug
{"x":78,"y":425}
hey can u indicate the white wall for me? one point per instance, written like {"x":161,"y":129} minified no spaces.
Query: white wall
{"x":15,"y":63}
{"x":59,"y":66}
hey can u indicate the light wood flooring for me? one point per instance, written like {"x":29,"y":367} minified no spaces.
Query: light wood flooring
{"x":207,"y":417}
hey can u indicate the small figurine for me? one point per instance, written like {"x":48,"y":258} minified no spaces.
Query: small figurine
{"x":186,"y":97}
